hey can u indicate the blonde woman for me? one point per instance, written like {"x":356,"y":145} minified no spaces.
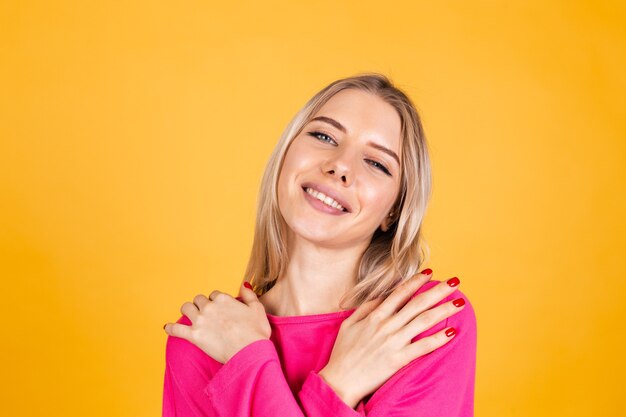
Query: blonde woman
{"x":335,"y":319}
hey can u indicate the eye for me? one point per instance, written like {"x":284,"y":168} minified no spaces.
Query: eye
{"x":320,"y":134}
{"x":379,"y":166}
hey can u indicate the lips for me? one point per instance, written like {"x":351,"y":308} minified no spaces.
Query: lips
{"x":329,"y":192}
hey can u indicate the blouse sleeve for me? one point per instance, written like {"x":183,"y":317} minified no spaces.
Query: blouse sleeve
{"x":250,"y":384}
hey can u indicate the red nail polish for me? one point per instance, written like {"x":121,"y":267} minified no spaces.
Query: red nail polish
{"x":450,"y":332}
{"x":247,"y":285}
{"x":427,"y":271}
{"x":453,"y":282}
{"x":459,"y":302}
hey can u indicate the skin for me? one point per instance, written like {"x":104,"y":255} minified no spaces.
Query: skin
{"x":324,"y":249}
{"x":375,"y":341}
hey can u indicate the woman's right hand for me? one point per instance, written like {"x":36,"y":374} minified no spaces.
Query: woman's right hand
{"x":375,"y":341}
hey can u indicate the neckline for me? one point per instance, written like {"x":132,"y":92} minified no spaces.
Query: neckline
{"x":309,"y":318}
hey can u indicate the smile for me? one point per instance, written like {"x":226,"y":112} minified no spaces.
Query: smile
{"x":322,"y":202}
{"x":324,"y":198}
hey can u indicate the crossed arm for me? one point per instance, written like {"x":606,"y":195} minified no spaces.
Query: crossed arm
{"x":252,"y":383}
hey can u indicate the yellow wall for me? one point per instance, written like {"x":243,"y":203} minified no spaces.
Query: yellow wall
{"x":133,"y":136}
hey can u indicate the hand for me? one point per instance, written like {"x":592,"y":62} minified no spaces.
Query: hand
{"x":221,"y":325}
{"x":375,"y":341}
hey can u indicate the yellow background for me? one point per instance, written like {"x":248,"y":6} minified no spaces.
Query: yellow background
{"x":133,"y":138}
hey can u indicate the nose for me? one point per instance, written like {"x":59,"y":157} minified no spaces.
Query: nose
{"x":340,"y":168}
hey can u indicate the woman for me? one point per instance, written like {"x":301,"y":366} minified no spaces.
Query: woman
{"x":335,"y":320}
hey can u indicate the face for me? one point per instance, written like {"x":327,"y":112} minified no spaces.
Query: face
{"x":347,"y":156}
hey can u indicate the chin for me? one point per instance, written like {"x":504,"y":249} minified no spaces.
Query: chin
{"x":315,"y":232}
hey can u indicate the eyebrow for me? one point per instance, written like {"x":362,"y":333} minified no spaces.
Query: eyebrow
{"x":342,"y":128}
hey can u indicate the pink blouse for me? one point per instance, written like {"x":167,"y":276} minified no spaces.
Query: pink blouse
{"x":279,"y":377}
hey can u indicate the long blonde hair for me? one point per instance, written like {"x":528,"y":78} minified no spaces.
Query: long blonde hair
{"x":392,"y":256}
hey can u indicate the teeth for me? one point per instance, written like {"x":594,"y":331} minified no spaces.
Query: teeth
{"x":324,"y":199}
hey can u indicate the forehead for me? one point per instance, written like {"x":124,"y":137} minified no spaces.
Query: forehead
{"x":366,"y":116}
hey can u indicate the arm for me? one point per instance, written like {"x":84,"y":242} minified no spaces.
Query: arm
{"x":187,"y":370}
{"x":252,"y":383}
{"x":249,"y":384}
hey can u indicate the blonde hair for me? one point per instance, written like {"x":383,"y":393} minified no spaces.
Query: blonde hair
{"x":393,"y":256}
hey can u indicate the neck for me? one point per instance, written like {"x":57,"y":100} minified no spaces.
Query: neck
{"x":315,"y":279}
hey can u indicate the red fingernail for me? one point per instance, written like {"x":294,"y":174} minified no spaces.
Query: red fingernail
{"x":427,"y":271}
{"x":459,"y":302}
{"x":247,"y":285}
{"x":453,"y":282}
{"x":450,"y":332}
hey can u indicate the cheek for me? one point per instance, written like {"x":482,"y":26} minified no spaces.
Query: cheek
{"x":298,"y":155}
{"x":285,"y":176}
{"x":378,"y":198}
{"x":297,"y":161}
{"x":289,"y":175}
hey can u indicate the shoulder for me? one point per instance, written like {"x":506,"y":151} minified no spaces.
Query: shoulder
{"x":443,"y":376}
{"x":183,"y":355}
{"x":188,"y":370}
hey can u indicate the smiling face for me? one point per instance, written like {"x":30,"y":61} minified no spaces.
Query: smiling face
{"x":346,"y":154}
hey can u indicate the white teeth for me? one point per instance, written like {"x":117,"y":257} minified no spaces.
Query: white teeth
{"x":324,"y":199}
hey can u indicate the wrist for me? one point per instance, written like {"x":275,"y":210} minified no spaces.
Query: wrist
{"x":242,"y":346}
{"x":339,"y":388}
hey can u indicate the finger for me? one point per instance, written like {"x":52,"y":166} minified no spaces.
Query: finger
{"x":430,"y":318}
{"x":190,"y":310}
{"x":200,"y":301}
{"x":424,"y":301}
{"x":178,"y":330}
{"x":427,"y":344}
{"x":248,"y":296}
{"x":399,"y":297}
{"x":218,"y":296}
{"x":363,"y":310}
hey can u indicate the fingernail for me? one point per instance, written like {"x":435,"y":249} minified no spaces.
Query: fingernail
{"x":450,"y":332}
{"x":427,"y":271}
{"x":453,"y":282}
{"x":247,"y":285}
{"x":459,"y":302}
{"x":164,"y":326}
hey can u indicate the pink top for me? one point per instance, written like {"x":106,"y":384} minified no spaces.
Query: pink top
{"x":278,"y":377}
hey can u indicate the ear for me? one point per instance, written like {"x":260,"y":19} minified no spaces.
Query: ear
{"x":384,"y":226}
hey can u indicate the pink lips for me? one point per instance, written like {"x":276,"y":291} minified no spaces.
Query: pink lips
{"x":318,"y":205}
{"x":329,"y":192}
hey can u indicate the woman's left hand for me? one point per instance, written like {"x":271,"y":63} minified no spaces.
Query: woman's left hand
{"x":222,"y":325}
